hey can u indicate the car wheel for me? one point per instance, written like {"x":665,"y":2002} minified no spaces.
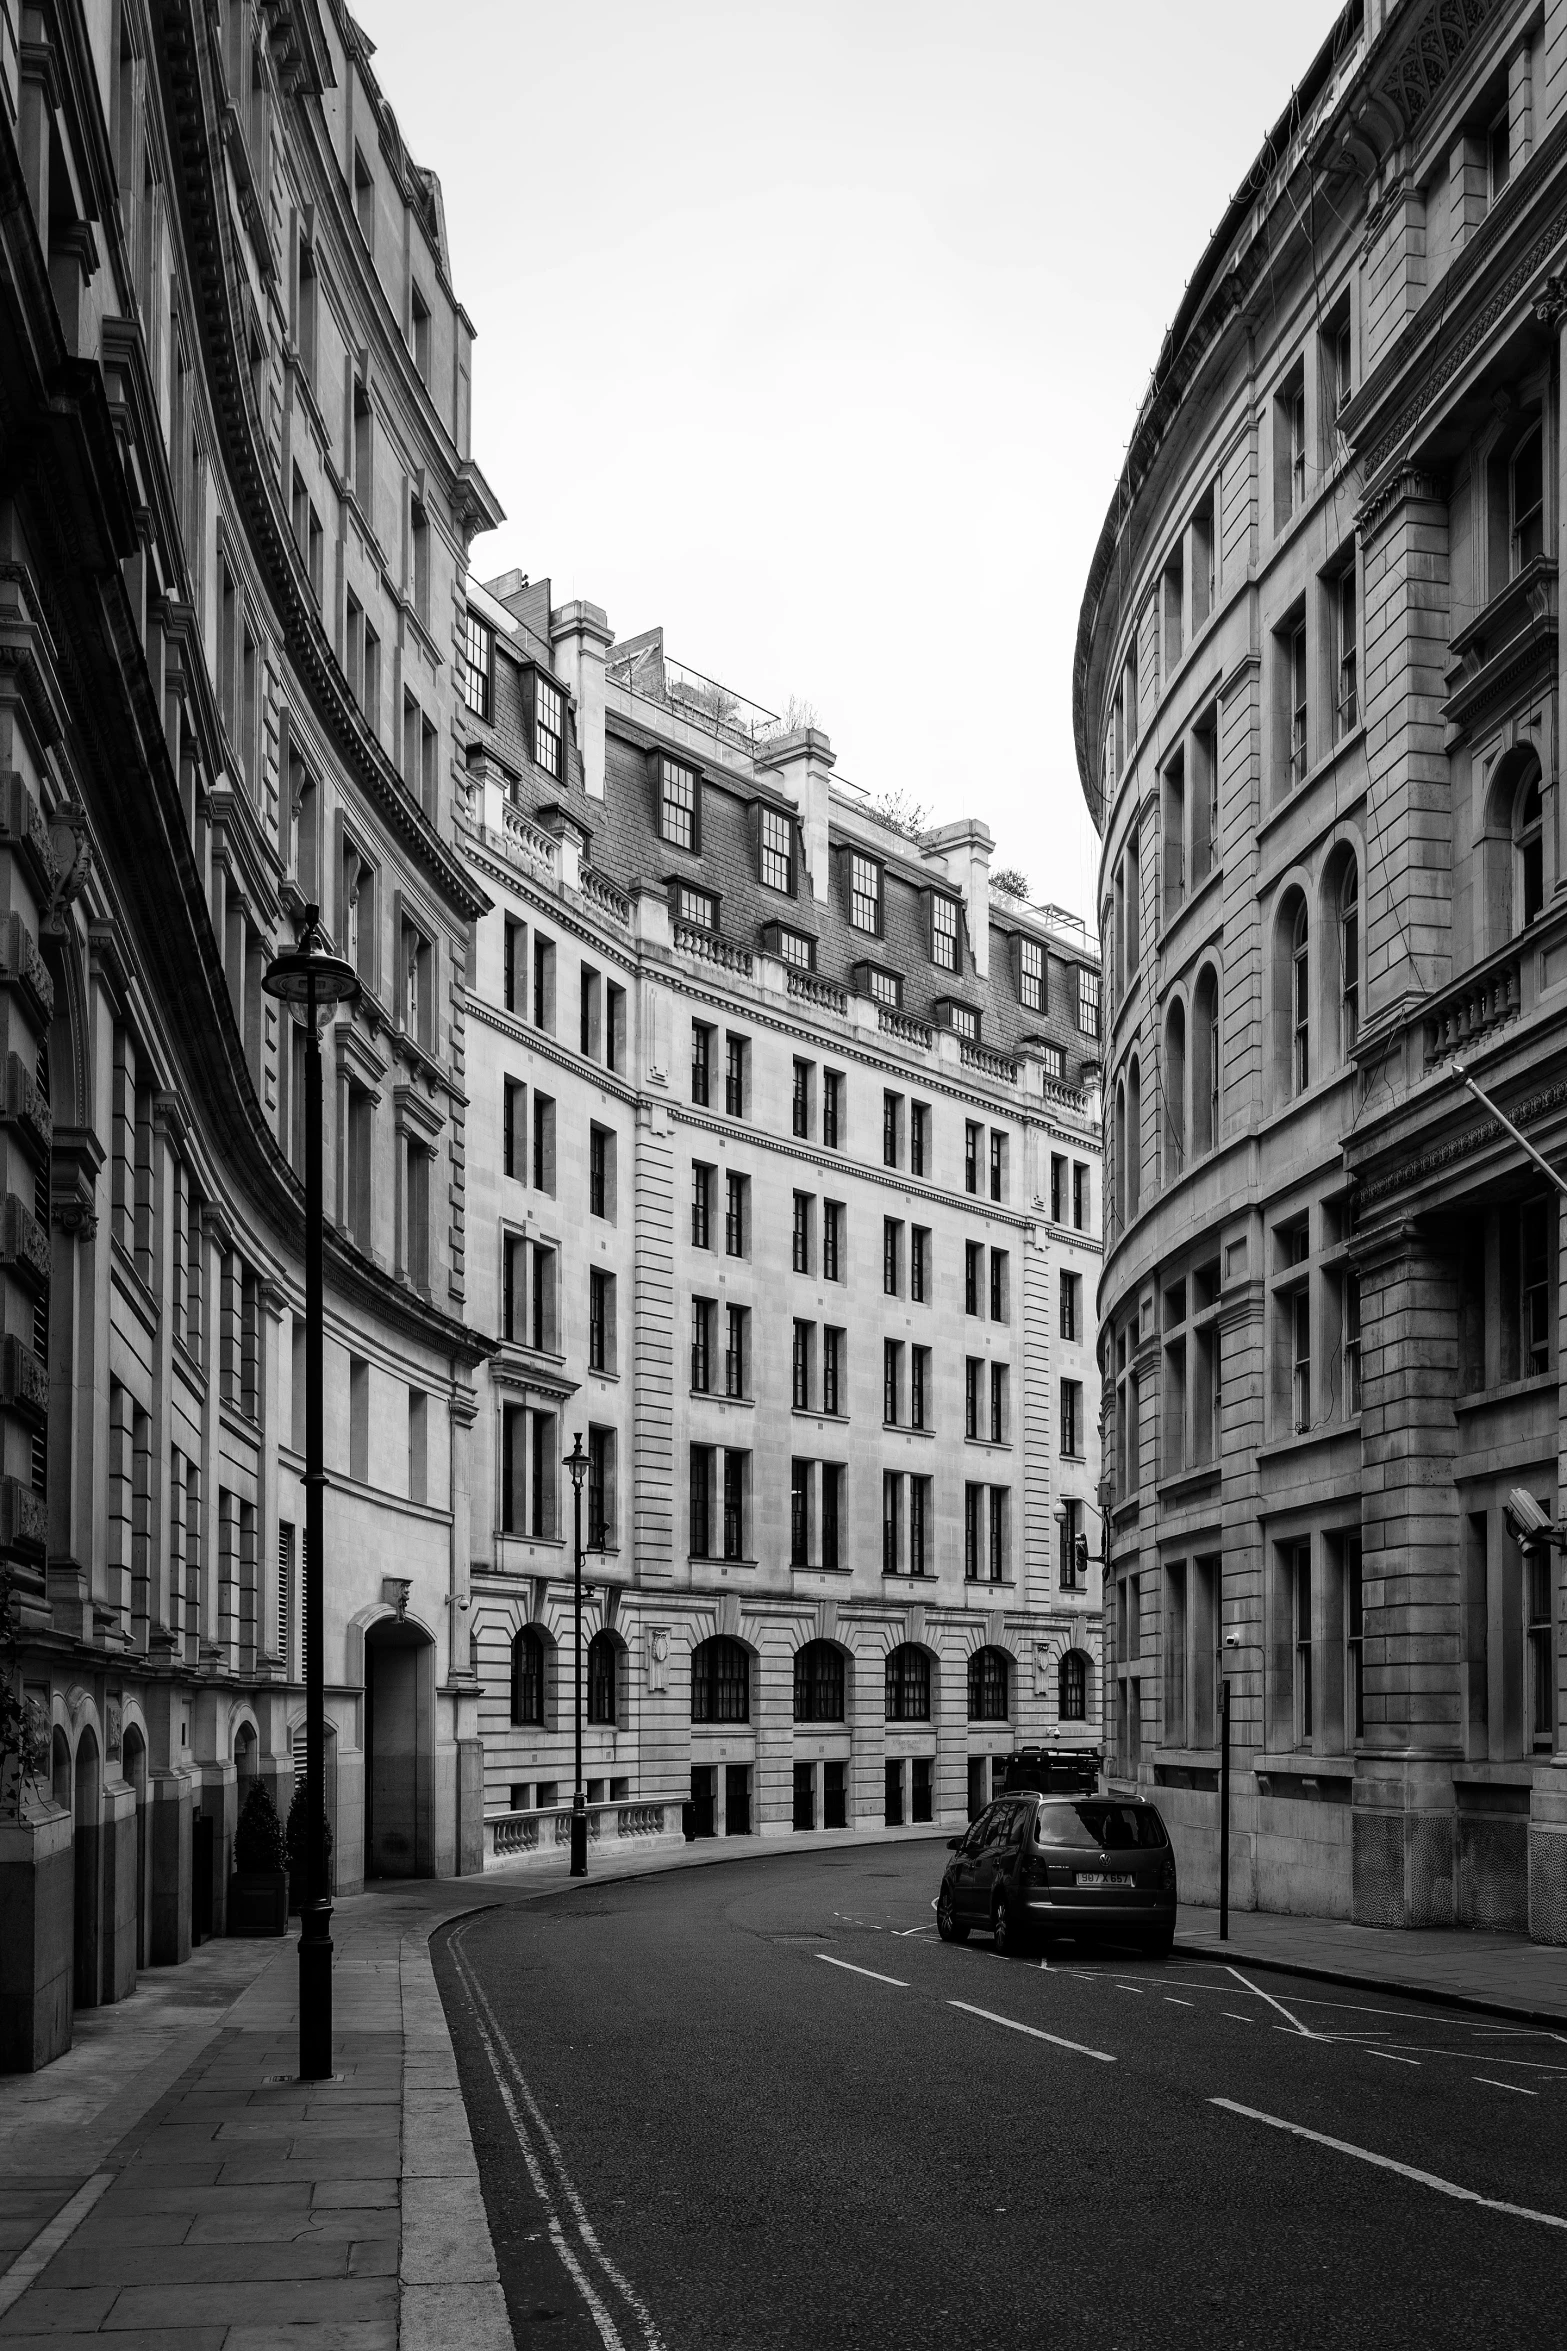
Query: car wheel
{"x":947,"y":1923}
{"x":1008,"y":1935}
{"x":1160,"y":1943}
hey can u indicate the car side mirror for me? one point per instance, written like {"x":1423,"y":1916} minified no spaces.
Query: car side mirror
{"x":953,"y":1843}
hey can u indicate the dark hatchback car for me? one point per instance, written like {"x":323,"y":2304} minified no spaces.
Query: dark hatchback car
{"x":1037,"y":1867}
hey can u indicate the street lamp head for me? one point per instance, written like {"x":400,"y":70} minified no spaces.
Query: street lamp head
{"x":310,"y":984}
{"x":577,"y":1461}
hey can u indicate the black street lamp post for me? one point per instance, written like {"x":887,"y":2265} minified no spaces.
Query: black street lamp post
{"x":577,"y":1463}
{"x":312,"y":986}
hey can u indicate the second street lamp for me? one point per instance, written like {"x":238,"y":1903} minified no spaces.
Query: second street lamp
{"x":577,"y":1463}
{"x":313,"y":986}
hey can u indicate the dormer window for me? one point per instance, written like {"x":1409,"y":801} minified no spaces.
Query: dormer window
{"x":1031,"y":975}
{"x":964,"y":1023}
{"x":419,"y":325}
{"x":944,"y":933}
{"x":1055,"y":1063}
{"x":777,"y":851}
{"x":548,"y":725}
{"x":677,"y":809}
{"x":1087,"y":1001}
{"x":794,"y":948}
{"x":865,"y":893}
{"x":478,"y":646}
{"x":699,"y":908}
{"x":883,"y":987}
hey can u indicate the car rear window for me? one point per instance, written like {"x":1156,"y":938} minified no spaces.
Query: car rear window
{"x":1106,"y":1827}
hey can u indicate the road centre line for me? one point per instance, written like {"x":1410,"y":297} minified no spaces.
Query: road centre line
{"x":1516,"y":2088}
{"x":1236,"y":2017}
{"x":850,"y":1969}
{"x":1172,"y":2001}
{"x":1408,"y":2171}
{"x":1391,"y":2058}
{"x":1294,"y":2022}
{"x":1033,"y":2031}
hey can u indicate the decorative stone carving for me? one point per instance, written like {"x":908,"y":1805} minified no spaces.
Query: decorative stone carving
{"x":657,"y":1659}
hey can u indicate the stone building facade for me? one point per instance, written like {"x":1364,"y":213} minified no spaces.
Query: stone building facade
{"x":234,"y":522}
{"x":1317,"y":700}
{"x":784,"y":1194}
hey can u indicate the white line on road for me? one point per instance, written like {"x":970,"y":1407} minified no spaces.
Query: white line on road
{"x":1391,"y":2058}
{"x":1304,"y":2031}
{"x":1137,"y":1988}
{"x":849,"y":1968}
{"x":1033,"y":2031}
{"x":1236,"y":2017}
{"x":1424,"y":2179}
{"x":1516,"y":2088}
{"x":608,"y":2332}
{"x":1171,"y":2001}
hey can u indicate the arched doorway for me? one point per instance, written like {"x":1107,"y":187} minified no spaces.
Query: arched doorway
{"x":399,"y":1751}
{"x":133,"y":1766}
{"x":86,"y":1962}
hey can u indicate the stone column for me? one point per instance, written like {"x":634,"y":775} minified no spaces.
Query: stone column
{"x":1403,"y":1820}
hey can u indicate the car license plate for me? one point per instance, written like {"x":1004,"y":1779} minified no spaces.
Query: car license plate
{"x":1100,"y":1877}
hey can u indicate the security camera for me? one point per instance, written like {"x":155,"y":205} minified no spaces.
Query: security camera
{"x":1527,"y":1523}
{"x":1232,"y":1640}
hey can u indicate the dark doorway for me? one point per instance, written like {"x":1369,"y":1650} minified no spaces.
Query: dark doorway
{"x":894,"y":1810}
{"x":86,"y":1960}
{"x":804,"y":1796}
{"x":704,"y":1800}
{"x":978,"y":1773}
{"x":399,"y":1751}
{"x":924,"y":1788}
{"x":203,"y":1849}
{"x":835,"y":1797}
{"x":133,"y":1767}
{"x":737,"y":1800}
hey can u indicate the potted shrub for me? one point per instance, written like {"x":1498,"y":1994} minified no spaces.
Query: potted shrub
{"x":296,"y":1846}
{"x":258,"y":1887}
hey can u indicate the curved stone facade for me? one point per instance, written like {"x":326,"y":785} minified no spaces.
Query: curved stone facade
{"x":1317,"y":701}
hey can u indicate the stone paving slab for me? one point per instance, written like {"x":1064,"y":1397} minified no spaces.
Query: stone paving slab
{"x":1505,"y":1974}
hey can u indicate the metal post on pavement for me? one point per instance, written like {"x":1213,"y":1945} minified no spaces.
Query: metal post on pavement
{"x":312,"y":986}
{"x":577,"y":1463}
{"x":1224,"y":1811}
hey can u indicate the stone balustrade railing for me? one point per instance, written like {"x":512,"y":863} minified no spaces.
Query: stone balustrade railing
{"x":544,"y":1833}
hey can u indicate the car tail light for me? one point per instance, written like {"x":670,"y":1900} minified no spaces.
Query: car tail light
{"x":1167,"y":1874}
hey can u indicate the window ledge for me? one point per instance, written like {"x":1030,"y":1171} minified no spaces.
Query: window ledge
{"x":717,"y":1396}
{"x":1308,"y":1440}
{"x":1004,"y":1445}
{"x":597,"y":1372}
{"x":801,"y":1567}
{"x":714,"y":1560}
{"x":904,"y":1428}
{"x":1182,"y":1482}
{"x":809,"y":1412}
{"x":1298,"y":1763}
{"x":1538,"y":1383}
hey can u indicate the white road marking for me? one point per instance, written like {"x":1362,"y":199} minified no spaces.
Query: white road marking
{"x":1424,"y":2179}
{"x":1137,"y":1988}
{"x":37,"y":2256}
{"x":1236,"y":2017}
{"x":1516,"y":2088}
{"x":919,"y":1930}
{"x":1033,"y":2032}
{"x":609,"y":2333}
{"x":1294,"y":2022}
{"x":1172,"y":2001}
{"x":1391,"y":2058}
{"x":850,"y":1969}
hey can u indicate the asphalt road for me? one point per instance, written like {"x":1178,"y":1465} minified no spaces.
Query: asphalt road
{"x":760,"y":2104}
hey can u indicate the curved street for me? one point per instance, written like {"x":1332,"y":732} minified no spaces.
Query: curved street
{"x":759,"y":2103}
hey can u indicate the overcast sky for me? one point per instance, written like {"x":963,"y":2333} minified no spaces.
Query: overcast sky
{"x":817,"y":332}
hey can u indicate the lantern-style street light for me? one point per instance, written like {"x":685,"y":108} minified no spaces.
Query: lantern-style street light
{"x":577,"y":1463}
{"x":312,"y":986}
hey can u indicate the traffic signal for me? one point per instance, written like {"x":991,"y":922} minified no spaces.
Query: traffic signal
{"x":1080,"y":1558}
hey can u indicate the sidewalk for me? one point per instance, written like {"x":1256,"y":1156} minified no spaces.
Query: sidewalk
{"x":1466,"y":1968}
{"x":182,"y":2189}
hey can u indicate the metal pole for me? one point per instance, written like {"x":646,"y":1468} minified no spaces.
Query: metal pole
{"x":579,"y":1812}
{"x":1224,"y":1813}
{"x":315,"y":1928}
{"x":1502,"y":1120}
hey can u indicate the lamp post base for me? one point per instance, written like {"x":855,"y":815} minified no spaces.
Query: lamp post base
{"x":579,"y":1840}
{"x":315,"y":1992}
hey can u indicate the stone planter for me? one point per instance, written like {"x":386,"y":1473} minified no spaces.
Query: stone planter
{"x":258,"y":1902}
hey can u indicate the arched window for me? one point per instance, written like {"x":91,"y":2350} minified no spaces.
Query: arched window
{"x":818,"y":1683}
{"x":1529,"y":838}
{"x":1134,"y":1138}
{"x":1175,"y":1089}
{"x":720,"y":1681}
{"x":527,"y":1676}
{"x":1300,"y":1004}
{"x":987,"y":1686}
{"x":1074,"y":1686}
{"x":1120,"y":1151}
{"x":908,"y":1684}
{"x":1205,"y":1062}
{"x":603,"y":1676}
{"x":1348,"y":959}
